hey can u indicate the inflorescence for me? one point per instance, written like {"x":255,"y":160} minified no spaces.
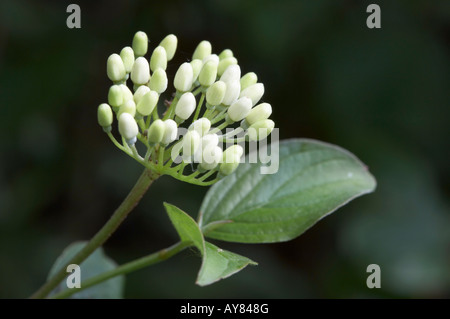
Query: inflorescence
{"x":209,"y":90}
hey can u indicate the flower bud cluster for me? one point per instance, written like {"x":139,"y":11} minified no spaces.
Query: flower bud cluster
{"x":210,"y":92}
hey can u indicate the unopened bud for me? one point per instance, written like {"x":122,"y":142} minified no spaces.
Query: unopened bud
{"x":115,"y":96}
{"x":140,"y":43}
{"x":211,"y":57}
{"x":128,"y":128}
{"x":115,"y":68}
{"x":260,"y":130}
{"x":147,"y":103}
{"x":170,"y":132}
{"x":169,"y":43}
{"x":158,"y":59}
{"x":127,"y":55}
{"x":156,"y":132}
{"x":191,"y":142}
{"x":208,"y":73}
{"x":231,"y":158}
{"x":254,"y":92}
{"x":258,"y":113}
{"x":210,"y":140}
{"x":202,"y":50}
{"x":232,"y":73}
{"x":158,"y":81}
{"x":127,"y":94}
{"x":232,"y":92}
{"x":140,"y":92}
{"x":185,"y":106}
{"x":202,"y":126}
{"x":211,"y":156}
{"x":227,"y":53}
{"x":127,"y":107}
{"x":225,"y":63}
{"x":216,"y":93}
{"x":248,"y":79}
{"x":105,"y":116}
{"x":196,"y":68}
{"x":140,"y":74}
{"x":239,"y":109}
{"x":184,"y":77}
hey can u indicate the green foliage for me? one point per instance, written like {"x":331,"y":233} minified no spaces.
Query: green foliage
{"x":95,"y":264}
{"x":217,"y":263}
{"x":313,"y":180}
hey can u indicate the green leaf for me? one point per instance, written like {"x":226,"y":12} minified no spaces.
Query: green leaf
{"x":95,"y":264}
{"x":186,"y":227}
{"x":313,"y":180}
{"x":219,"y":264}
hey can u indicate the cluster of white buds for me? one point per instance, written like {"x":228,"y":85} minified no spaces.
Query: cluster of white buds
{"x":210,"y":92}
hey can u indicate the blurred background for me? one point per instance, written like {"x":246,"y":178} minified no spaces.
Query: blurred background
{"x":382,"y":93}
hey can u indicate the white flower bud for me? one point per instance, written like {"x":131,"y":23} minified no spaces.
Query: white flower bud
{"x":127,"y":55}
{"x":210,"y":140}
{"x":156,"y":132}
{"x":140,"y":92}
{"x":232,"y":73}
{"x":169,"y":43}
{"x":260,"y":130}
{"x":127,"y":107}
{"x":140,"y":43}
{"x":128,"y":127}
{"x":184,"y":77}
{"x":258,"y":113}
{"x":232,"y":151}
{"x":211,"y":157}
{"x":248,"y":79}
{"x":158,"y":59}
{"x":115,"y":68}
{"x":215,"y":93}
{"x":212,"y":57}
{"x":147,"y":103}
{"x":115,"y":96}
{"x":158,"y":81}
{"x":227,"y":53}
{"x":185,"y":106}
{"x":225,"y":63}
{"x":230,"y":160}
{"x":202,"y":50}
{"x":254,"y":92}
{"x":191,"y":142}
{"x":170,"y":132}
{"x":202,"y":126}
{"x":232,"y":92}
{"x":140,"y":74}
{"x":239,"y":109}
{"x":208,"y":73}
{"x":196,"y":67}
{"x":104,"y":116}
{"x":127,"y":94}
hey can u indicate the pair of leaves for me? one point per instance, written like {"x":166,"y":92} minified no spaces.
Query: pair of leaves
{"x":217,"y":263}
{"x":313,"y":180}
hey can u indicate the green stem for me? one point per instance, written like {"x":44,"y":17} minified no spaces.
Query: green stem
{"x":145,"y":180}
{"x":199,"y":107}
{"x":171,"y":109}
{"x":131,"y":266}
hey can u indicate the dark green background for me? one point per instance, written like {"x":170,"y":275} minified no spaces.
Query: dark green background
{"x":383,"y":94}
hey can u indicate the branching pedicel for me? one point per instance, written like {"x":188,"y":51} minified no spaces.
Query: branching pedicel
{"x":210,"y":85}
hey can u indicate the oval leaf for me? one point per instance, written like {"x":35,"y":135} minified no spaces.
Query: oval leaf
{"x":219,"y":264}
{"x":186,"y":227}
{"x":95,"y":264}
{"x":313,"y":180}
